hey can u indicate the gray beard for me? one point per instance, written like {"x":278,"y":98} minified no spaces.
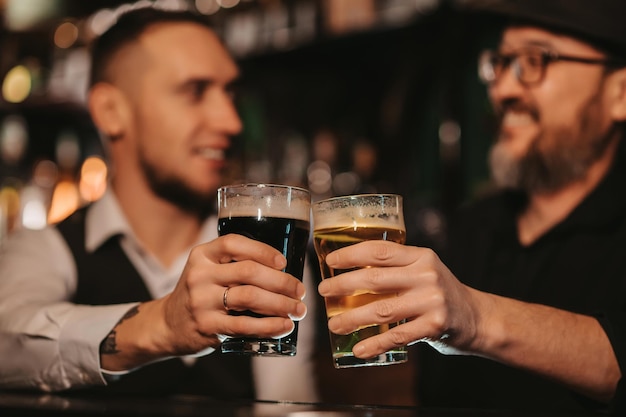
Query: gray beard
{"x":572,"y":152}
{"x":539,"y":172}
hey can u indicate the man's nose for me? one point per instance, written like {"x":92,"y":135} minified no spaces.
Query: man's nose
{"x":222,"y":115}
{"x":506,"y":86}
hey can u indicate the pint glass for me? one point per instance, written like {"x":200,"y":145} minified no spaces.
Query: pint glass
{"x":278,"y":215}
{"x":343,"y":221}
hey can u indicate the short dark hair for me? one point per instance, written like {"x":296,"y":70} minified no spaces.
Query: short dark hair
{"x":127,"y":29}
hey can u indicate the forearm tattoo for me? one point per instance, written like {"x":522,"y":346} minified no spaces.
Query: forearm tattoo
{"x":109,"y":344}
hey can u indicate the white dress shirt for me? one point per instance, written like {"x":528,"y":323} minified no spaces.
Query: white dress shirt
{"x":48,"y":343}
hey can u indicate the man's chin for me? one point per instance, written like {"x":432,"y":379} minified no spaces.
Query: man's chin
{"x":210,"y":182}
{"x":206,"y":184}
{"x":504,"y":166}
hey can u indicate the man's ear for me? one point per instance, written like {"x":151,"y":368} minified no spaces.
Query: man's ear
{"x":109,"y":109}
{"x":618,"y":95}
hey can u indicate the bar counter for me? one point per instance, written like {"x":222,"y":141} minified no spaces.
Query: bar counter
{"x":14,"y":404}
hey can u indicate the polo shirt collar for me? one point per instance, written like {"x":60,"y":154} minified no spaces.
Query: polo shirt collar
{"x":606,"y":202}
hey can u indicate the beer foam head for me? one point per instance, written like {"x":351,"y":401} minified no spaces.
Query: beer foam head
{"x":363,"y":210}
{"x":264,"y":200}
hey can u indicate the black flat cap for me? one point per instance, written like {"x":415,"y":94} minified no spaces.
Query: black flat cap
{"x":600,"y":22}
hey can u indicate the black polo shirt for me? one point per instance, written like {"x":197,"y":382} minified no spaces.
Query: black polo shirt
{"x":579,"y":265}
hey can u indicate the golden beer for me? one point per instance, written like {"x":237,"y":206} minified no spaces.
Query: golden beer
{"x":342,"y":224}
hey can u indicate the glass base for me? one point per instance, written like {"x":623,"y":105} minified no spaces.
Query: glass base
{"x":388,"y":358}
{"x":258,"y":347}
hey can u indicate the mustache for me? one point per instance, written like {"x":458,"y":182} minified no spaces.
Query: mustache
{"x":516,"y":106}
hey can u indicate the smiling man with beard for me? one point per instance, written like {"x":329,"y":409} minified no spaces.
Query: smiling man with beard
{"x":527,"y":309}
{"x":128,"y":295}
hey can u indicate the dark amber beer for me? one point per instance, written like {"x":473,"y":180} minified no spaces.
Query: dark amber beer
{"x":278,"y":215}
{"x":344,"y":221}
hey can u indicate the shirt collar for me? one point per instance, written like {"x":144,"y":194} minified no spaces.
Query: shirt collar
{"x":607,"y":201}
{"x":106,"y":219}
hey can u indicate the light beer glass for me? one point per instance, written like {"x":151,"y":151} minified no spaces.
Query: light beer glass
{"x":343,"y":221}
{"x":278,"y":215}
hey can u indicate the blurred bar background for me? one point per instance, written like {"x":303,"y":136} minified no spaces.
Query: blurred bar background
{"x":340,"y":96}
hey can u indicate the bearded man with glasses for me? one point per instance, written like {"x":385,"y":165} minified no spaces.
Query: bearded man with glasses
{"x":527,"y":310}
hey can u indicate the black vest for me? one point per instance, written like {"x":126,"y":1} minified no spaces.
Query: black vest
{"x":108,"y":277}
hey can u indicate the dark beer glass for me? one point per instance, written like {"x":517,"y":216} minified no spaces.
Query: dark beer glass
{"x":278,"y":215}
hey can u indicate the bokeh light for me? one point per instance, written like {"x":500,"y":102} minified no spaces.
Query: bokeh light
{"x":207,"y":7}
{"x":65,"y":35}
{"x":17,"y":84}
{"x":93,"y":179}
{"x":65,"y":200}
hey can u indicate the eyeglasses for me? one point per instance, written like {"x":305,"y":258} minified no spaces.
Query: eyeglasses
{"x":529,"y":65}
